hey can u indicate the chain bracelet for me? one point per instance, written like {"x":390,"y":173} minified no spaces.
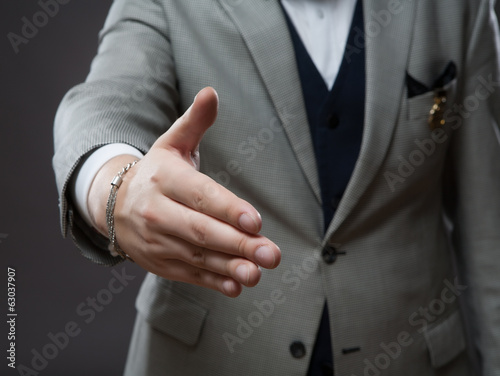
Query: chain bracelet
{"x":110,"y":208}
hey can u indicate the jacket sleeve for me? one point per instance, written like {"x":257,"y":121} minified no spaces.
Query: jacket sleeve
{"x":473,"y":187}
{"x":129,"y":96}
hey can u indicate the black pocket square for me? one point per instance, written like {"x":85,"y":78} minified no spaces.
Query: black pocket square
{"x":415,"y":87}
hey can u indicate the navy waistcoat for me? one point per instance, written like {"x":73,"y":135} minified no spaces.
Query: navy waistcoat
{"x":336,"y":120}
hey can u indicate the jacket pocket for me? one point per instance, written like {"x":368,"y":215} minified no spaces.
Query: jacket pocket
{"x":445,"y":340}
{"x":420,"y":105}
{"x":171,"y":311}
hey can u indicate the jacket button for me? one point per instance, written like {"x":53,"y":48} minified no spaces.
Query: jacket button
{"x":297,"y":349}
{"x":329,"y":254}
{"x":332,"y":121}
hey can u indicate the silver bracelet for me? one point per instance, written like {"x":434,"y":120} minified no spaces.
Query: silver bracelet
{"x":110,"y":208}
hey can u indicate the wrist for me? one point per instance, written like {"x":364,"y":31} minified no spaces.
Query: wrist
{"x":100,"y":190}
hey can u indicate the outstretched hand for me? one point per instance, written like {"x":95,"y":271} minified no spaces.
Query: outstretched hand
{"x":177,"y":222}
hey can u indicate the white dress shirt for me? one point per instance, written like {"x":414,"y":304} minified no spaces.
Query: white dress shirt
{"x":323,"y":26}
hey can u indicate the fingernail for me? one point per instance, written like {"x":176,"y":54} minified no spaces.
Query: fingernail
{"x":248,"y":223}
{"x":243,"y":274}
{"x":228,"y":287}
{"x":265,"y":256}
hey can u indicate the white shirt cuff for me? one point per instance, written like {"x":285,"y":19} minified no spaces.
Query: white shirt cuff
{"x":88,"y":170}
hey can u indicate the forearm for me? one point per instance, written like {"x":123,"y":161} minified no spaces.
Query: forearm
{"x":129,"y":97}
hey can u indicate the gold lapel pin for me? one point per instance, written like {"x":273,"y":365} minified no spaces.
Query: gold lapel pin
{"x":436,"y":113}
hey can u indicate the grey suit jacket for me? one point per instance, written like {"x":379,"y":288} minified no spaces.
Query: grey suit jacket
{"x":417,"y":200}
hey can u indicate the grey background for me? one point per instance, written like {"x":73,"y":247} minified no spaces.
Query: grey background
{"x":52,"y":279}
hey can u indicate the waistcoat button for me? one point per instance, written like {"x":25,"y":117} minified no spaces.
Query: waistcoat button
{"x":332,"y":121}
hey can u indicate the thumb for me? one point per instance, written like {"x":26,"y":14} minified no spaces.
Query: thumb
{"x":186,"y":133}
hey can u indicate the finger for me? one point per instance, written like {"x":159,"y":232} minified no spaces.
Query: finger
{"x":207,"y":232}
{"x":186,"y":133}
{"x":157,"y":254}
{"x":180,"y":271}
{"x":150,"y":253}
{"x":239,"y":269}
{"x":203,"y":194}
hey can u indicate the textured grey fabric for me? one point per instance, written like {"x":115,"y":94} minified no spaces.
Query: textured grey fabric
{"x":415,"y":201}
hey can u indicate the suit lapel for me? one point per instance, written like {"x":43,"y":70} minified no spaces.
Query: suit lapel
{"x":265,"y":32}
{"x":387,"y":50}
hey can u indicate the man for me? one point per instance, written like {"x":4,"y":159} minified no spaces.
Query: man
{"x":372,"y":172}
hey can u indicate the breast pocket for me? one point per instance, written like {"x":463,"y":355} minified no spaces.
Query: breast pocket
{"x":419,"y":107}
